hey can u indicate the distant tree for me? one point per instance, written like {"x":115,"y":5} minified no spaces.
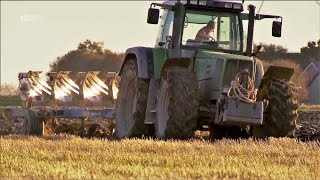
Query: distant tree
{"x":307,"y":54}
{"x":91,"y":47}
{"x":8,"y":90}
{"x":272,"y":52}
{"x":310,"y":53}
{"x":89,"y":56}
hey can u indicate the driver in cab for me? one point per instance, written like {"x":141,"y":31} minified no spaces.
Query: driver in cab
{"x":204,"y":34}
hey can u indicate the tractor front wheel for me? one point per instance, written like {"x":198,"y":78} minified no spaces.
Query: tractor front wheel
{"x":177,"y":105}
{"x":281,"y":113}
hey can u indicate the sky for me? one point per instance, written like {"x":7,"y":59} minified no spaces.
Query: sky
{"x":35,"y":33}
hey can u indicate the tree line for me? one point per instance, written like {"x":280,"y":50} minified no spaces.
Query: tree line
{"x":91,"y":55}
{"x":309,"y":53}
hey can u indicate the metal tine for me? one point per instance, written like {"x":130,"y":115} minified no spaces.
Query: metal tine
{"x":70,"y":81}
{"x":62,"y":87}
{"x":88,"y":89}
{"x":36,"y":89}
{"x":92,"y":85}
{"x":89,"y":85}
{"x":44,"y":84}
{"x":96,"y":85}
{"x":96,"y":79}
{"x":67,"y":85}
{"x":35,"y":76}
{"x":37,"y":84}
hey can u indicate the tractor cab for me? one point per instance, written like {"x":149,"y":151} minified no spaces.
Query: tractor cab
{"x":199,"y":24}
{"x":182,"y":21}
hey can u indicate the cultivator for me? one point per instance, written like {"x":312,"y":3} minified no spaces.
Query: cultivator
{"x":64,"y":94}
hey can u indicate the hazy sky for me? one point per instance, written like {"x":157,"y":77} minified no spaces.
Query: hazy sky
{"x":33,"y":34}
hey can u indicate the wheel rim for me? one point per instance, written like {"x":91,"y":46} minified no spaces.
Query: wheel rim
{"x":162,"y":111}
{"x":130,"y":105}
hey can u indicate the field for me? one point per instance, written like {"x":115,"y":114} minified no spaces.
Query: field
{"x":72,"y":157}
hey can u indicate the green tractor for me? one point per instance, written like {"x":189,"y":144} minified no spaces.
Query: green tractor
{"x":217,"y":84}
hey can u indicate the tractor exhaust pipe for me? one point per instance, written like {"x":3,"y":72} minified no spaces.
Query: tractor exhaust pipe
{"x":251,"y":9}
{"x":177,"y":28}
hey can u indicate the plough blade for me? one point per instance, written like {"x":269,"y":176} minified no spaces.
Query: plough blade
{"x":93,"y":86}
{"x":63,"y":86}
{"x":32,"y":85}
{"x":60,"y":86}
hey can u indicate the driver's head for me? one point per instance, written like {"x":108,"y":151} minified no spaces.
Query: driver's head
{"x":211,"y":24}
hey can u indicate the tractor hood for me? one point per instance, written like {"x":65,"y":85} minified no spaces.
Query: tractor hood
{"x":208,"y":54}
{"x":216,"y":70}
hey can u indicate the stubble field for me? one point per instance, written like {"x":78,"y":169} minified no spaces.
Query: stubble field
{"x":71,"y":157}
{"x":60,"y":157}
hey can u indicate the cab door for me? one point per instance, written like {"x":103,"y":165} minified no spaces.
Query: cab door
{"x":163,"y":43}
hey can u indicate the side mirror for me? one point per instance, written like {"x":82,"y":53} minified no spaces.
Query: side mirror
{"x":276,"y":28}
{"x":153,"y":16}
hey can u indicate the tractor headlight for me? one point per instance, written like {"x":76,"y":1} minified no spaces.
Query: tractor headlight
{"x":237,"y":6}
{"x":198,"y":2}
{"x":203,"y":3}
{"x":193,"y":2}
{"x":228,"y":5}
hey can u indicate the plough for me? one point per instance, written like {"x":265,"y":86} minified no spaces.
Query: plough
{"x":43,"y":100}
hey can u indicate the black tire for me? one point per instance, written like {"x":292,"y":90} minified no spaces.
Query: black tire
{"x":177,"y":105}
{"x":32,"y":125}
{"x":281,"y":113}
{"x":132,"y":102}
{"x":218,"y":132}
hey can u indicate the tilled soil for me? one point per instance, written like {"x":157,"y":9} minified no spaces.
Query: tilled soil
{"x":101,"y":128}
{"x":97,"y":128}
{"x":308,"y":126}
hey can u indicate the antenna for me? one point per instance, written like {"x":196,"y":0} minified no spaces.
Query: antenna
{"x":260,"y":6}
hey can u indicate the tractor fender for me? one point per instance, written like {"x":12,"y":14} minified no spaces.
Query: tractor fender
{"x":259,"y":72}
{"x":177,"y":62}
{"x":144,"y":59}
{"x":273,"y":72}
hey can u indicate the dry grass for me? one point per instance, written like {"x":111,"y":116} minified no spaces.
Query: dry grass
{"x":71,"y":157}
{"x":309,"y":108}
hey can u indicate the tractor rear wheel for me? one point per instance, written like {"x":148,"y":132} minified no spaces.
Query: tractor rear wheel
{"x":281,"y":113}
{"x":131,"y":103}
{"x":177,"y":106}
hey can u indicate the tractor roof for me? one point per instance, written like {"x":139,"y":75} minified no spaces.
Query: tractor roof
{"x":173,"y":2}
{"x":229,"y":5}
